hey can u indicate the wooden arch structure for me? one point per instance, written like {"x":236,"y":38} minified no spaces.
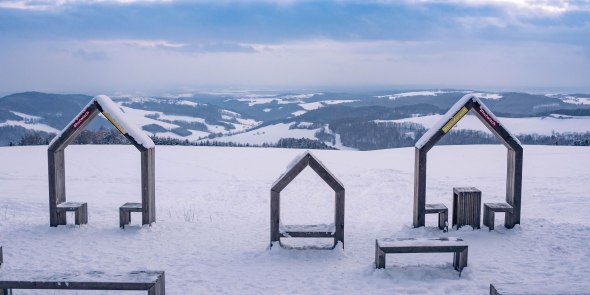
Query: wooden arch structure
{"x":440,"y":129}
{"x":277,"y":230}
{"x":56,"y":158}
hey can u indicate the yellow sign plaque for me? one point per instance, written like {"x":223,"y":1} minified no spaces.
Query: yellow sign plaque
{"x":455,"y":119}
{"x":115,"y":123}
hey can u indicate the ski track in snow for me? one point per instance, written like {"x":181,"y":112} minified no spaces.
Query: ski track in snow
{"x":212,"y":229}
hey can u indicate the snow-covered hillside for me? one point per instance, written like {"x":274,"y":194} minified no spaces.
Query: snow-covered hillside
{"x":212,"y":229}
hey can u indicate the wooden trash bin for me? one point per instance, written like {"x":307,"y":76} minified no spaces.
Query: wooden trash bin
{"x":466,"y":207}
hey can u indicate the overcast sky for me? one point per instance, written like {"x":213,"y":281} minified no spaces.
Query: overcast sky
{"x":134,"y":46}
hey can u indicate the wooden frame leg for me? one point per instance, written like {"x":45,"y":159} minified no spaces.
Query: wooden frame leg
{"x":443,"y":220}
{"x":488,"y":218}
{"x":81,"y":215}
{"x":124,"y":217}
{"x":379,"y":256}
{"x":460,"y":260}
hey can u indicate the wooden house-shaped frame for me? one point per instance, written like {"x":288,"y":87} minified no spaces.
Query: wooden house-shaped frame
{"x":468,"y":103}
{"x":277,"y":230}
{"x":56,"y":157}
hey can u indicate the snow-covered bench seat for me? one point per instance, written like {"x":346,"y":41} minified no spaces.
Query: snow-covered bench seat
{"x":150,"y":281}
{"x":490,"y":208}
{"x":540,"y":288}
{"x":422,"y":245}
{"x":125,"y":213}
{"x":308,"y":231}
{"x":80,"y":211}
{"x":443,"y":214}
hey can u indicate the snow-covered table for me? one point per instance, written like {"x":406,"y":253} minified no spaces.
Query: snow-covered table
{"x":422,"y":245}
{"x":151,"y":281}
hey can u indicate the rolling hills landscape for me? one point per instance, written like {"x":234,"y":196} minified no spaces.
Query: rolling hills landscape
{"x":342,"y":120}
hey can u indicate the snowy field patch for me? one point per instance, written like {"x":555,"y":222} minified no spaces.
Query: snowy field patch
{"x":533,"y":125}
{"x":212,"y":229}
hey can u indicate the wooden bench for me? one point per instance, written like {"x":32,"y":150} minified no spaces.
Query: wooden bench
{"x":540,"y":288}
{"x":150,"y":281}
{"x":422,"y":245}
{"x":80,"y":210}
{"x":443,"y":214}
{"x":125,"y":213}
{"x":490,"y":208}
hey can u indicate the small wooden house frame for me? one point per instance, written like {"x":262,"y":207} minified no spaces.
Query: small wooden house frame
{"x":278,"y":231}
{"x":56,"y":161}
{"x":440,"y":129}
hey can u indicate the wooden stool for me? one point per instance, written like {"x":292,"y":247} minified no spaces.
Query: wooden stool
{"x":443,"y":214}
{"x":490,"y":208}
{"x":125,"y":213}
{"x":80,"y":210}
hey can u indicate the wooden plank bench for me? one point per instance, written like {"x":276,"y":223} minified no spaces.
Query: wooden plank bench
{"x":422,"y":245}
{"x":125,"y":213}
{"x":490,"y":208}
{"x":443,"y":214}
{"x":80,"y":210}
{"x":540,"y":288}
{"x":150,"y":281}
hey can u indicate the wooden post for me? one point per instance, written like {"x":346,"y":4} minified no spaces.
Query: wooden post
{"x":514,"y":187}
{"x":419,"y":187}
{"x":275,"y":213}
{"x":148,"y":186}
{"x":57,"y":186}
{"x":339,"y":217}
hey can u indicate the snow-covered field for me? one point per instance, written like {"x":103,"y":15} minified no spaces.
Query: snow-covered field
{"x":212,"y":232}
{"x":268,"y":134}
{"x":533,"y":125}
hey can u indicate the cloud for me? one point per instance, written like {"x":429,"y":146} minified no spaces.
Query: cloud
{"x":141,"y":43}
{"x":92,"y":55}
{"x":523,"y":7}
{"x":43,"y":5}
{"x":313,"y":62}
